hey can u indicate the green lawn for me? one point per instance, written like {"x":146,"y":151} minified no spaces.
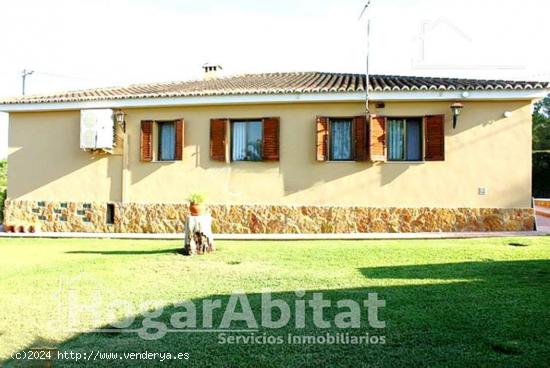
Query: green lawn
{"x":479,"y":302}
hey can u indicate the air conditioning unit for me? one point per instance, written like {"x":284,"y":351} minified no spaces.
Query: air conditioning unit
{"x":96,"y":129}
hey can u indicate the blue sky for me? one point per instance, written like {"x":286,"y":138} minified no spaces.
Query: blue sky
{"x":74,"y":44}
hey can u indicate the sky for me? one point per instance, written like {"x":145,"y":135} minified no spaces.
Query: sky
{"x":76,"y":44}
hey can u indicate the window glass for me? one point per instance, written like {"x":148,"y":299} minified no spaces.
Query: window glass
{"x":167,"y":141}
{"x":405,"y":139}
{"x":340,"y":139}
{"x":246,"y":141}
{"x":414,"y":142}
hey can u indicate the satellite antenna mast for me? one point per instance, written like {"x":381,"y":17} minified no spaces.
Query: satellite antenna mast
{"x":367,"y":57}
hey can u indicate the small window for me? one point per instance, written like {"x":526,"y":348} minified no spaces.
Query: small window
{"x":405,"y":139}
{"x":246,"y":140}
{"x":340,"y":140}
{"x":110,"y":214}
{"x":166,"y":141}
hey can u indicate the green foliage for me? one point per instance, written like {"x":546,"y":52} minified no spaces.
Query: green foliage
{"x":541,"y":174}
{"x":3,"y":173}
{"x":196,"y":198}
{"x":541,"y":142}
{"x":541,"y":125}
{"x":3,"y":184}
{"x":2,"y":199}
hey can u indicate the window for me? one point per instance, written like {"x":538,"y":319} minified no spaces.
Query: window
{"x":166,"y":141}
{"x":246,"y":140}
{"x":161,"y":140}
{"x":340,"y":139}
{"x":405,"y":139}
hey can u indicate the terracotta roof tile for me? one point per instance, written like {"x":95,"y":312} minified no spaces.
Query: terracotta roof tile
{"x":277,"y":83}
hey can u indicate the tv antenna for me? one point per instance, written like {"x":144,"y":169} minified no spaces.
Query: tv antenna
{"x":24,"y":75}
{"x":365,"y":8}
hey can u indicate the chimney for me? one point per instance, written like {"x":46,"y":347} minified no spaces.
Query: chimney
{"x":211,"y":71}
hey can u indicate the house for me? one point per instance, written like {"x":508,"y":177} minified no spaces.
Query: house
{"x":276,"y":153}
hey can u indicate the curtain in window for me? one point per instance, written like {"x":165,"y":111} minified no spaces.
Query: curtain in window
{"x":247,"y":141}
{"x":238,"y":141}
{"x":340,"y":133}
{"x":167,"y":136}
{"x":396,"y":140}
{"x":414,"y":151}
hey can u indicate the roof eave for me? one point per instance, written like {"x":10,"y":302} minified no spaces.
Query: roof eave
{"x":462,"y":95}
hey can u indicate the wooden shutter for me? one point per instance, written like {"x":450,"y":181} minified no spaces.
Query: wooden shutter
{"x":435,"y":138}
{"x":361,"y":138}
{"x":270,"y":140}
{"x":179,"y":139}
{"x":146,"y":140}
{"x":218,"y":131}
{"x":322,"y":138}
{"x":377,"y":128}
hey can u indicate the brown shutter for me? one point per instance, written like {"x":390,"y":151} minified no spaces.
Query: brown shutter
{"x":435,"y":138}
{"x":270,"y":141}
{"x":322,"y":138}
{"x":179,"y":139}
{"x":146,"y":140}
{"x":218,"y":139}
{"x":377,"y":138}
{"x":361,"y":138}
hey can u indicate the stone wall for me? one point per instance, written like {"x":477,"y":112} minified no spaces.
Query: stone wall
{"x":169,"y":218}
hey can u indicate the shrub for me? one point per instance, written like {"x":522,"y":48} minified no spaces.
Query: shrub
{"x":541,"y":174}
{"x":2,"y":199}
{"x":3,"y":183}
{"x":3,"y":173}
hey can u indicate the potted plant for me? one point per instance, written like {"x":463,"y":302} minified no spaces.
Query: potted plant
{"x":195,"y":203}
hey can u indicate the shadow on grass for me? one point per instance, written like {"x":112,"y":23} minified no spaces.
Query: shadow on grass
{"x":456,"y":314}
{"x":125,"y":252}
{"x":485,"y":271}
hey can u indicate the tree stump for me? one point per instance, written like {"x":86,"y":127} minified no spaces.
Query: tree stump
{"x":198,"y":235}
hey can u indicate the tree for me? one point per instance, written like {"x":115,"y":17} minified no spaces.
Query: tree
{"x":541,"y":142}
{"x":541,"y":125}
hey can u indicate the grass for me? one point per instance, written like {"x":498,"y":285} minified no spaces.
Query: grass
{"x":475,"y":302}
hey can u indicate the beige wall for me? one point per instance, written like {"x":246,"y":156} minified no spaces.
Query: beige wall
{"x":486,"y":149}
{"x":46,"y":161}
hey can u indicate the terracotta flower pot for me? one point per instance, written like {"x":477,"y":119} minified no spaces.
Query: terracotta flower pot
{"x":195,"y":209}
